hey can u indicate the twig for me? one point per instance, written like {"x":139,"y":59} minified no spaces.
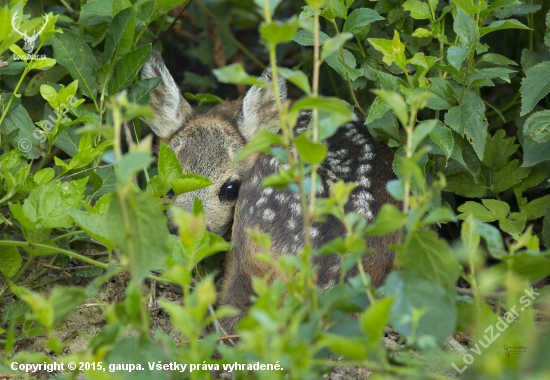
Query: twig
{"x":88,"y":305}
{"x":56,"y":268}
{"x":452,"y":344}
{"x":470,"y":292}
{"x":161,"y":35}
{"x":84,"y":171}
{"x":230,"y":35}
{"x":127,"y":134}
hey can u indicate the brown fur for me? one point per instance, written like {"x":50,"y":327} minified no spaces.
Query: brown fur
{"x":207,"y":144}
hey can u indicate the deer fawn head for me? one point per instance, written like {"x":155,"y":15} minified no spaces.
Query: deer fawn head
{"x":29,"y":40}
{"x":207,"y":143}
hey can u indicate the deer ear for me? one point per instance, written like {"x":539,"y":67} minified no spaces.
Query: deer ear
{"x":259,"y":108}
{"x":170,"y":108}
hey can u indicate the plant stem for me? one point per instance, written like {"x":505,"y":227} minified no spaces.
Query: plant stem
{"x":408,"y":154}
{"x":230,"y":35}
{"x":71,"y":254}
{"x":348,"y":78}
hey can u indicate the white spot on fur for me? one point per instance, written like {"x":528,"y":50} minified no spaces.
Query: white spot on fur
{"x":261,"y":201}
{"x":267,"y":191}
{"x":292,"y":224}
{"x":269,"y":215}
{"x":364,"y":182}
{"x":363,"y":169}
{"x":295,"y":208}
{"x":313,"y":232}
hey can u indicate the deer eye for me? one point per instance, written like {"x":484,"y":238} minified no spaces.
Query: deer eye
{"x":231,"y":191}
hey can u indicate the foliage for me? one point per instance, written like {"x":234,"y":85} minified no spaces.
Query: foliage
{"x":459,"y":88}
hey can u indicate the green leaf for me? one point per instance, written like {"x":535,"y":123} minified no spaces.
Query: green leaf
{"x":63,"y":300}
{"x":375,"y":318}
{"x":305,"y":38}
{"x":546,"y":229}
{"x":169,"y":166}
{"x":278,"y":32}
{"x":440,"y":215}
{"x":96,"y":15}
{"x":418,"y":9}
{"x":92,"y":224}
{"x":331,"y":105}
{"x":15,"y":311}
{"x":70,"y":51}
{"x":465,"y":185}
{"x":334,"y":44}
{"x":140,"y":92}
{"x":388,"y":220}
{"x":443,"y":137}
{"x":359,"y":19}
{"x":132,"y":163}
{"x":350,"y":347}
{"x":514,"y":224}
{"x":508,"y":176}
{"x":377,"y":110}
{"x":534,"y":153}
{"x":534,"y":86}
{"x":421,"y":131}
{"x":466,"y":5}
{"x":44,"y":206}
{"x":393,"y":50}
{"x":533,"y":267}
{"x":10,"y":260}
{"x":120,"y":36}
{"x":502,"y":24}
{"x":39,"y":64}
{"x":128,"y":67}
{"x":344,"y":69}
{"x":52,"y":75}
{"x":203,"y":98}
{"x":44,"y":176}
{"x":189,"y":182}
{"x":397,"y":104}
{"x":259,"y":143}
{"x":469,"y":118}
{"x":493,"y":210}
{"x":464,"y":28}
{"x":143,"y":240}
{"x":414,"y":295}
{"x":477,"y":211}
{"x":432,"y":258}
{"x":456,"y":55}
{"x":296,"y":77}
{"x":538,"y":174}
{"x":537,"y":126}
{"x":86,"y":153}
{"x":235,"y":74}
{"x":311,"y":152}
{"x":28,"y":138}
{"x":50,"y":95}
{"x":496,"y":59}
{"x":498,"y":150}
{"x":536,"y":208}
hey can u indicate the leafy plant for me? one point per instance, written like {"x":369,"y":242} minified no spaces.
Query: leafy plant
{"x":466,"y":113}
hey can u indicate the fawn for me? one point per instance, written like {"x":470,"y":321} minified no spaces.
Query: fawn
{"x":207,"y":144}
